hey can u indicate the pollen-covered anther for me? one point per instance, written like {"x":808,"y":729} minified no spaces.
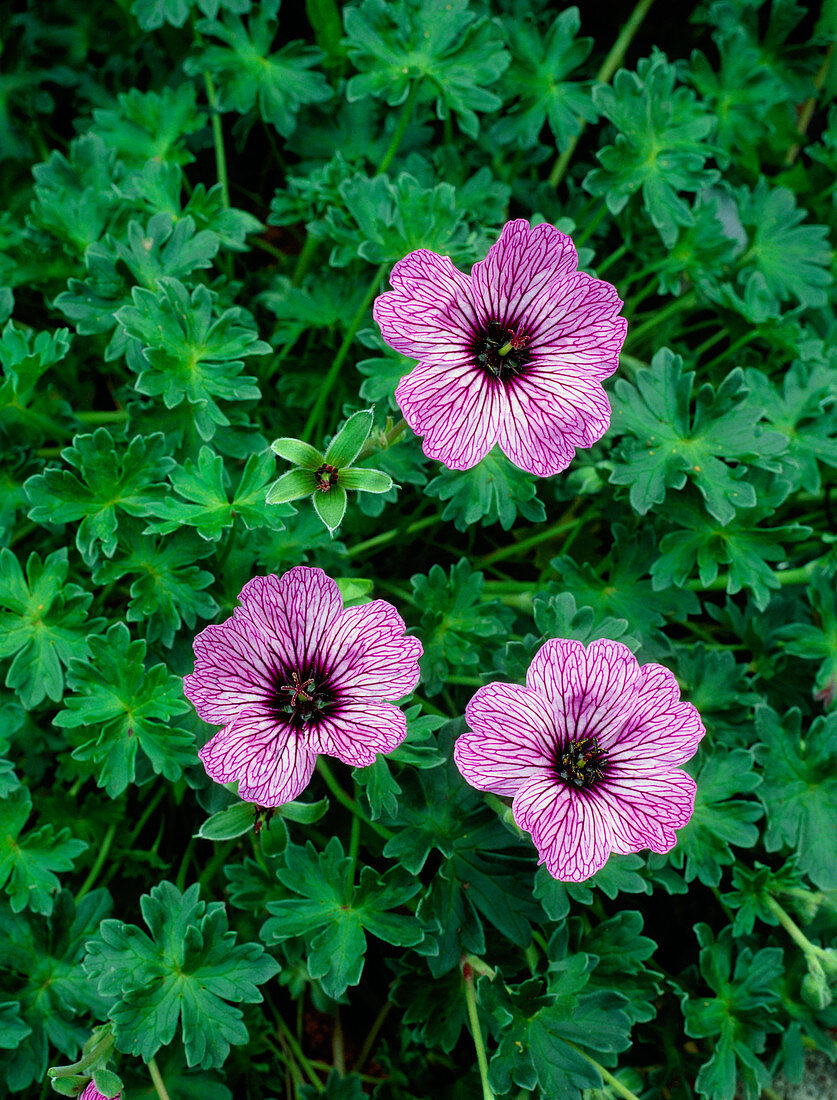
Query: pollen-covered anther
{"x":325,"y":477}
{"x":581,"y":764}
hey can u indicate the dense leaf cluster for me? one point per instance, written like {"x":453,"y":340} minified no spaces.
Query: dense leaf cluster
{"x":201,"y":198}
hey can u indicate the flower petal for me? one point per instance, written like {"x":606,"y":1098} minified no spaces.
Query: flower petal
{"x":292,"y":612}
{"x":358,"y":730}
{"x":572,"y":835}
{"x":430,"y":308}
{"x":644,"y":810}
{"x":234,"y":668}
{"x":271,"y":762}
{"x":662,"y":731}
{"x":593,"y":689}
{"x":577,"y":324}
{"x":518,"y":267}
{"x":366,"y":651}
{"x":512,"y":737}
{"x":457,"y":407}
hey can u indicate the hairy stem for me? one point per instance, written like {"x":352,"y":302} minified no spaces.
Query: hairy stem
{"x":476,"y":1032}
{"x":157,"y":1080}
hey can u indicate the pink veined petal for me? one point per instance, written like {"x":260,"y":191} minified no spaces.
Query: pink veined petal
{"x":92,"y":1093}
{"x":234,"y":669}
{"x":576,"y":324}
{"x":662,"y":731}
{"x":358,"y":731}
{"x":518,"y":267}
{"x":271,"y":761}
{"x":511,"y":738}
{"x":592,"y":689}
{"x":293,"y":611}
{"x":430,"y":310}
{"x":366,"y":651}
{"x":458,"y":409}
{"x":550,"y":414}
{"x":573,"y":837}
{"x":646,"y":809}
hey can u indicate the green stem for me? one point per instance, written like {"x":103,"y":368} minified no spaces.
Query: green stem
{"x":610,"y":260}
{"x":592,"y":225}
{"x":222,"y":854}
{"x":157,"y":1080}
{"x":383,"y":441}
{"x":371,"y":1036}
{"x":514,"y":548}
{"x":479,"y":1046}
{"x":389,"y":536}
{"x":745,"y":338}
{"x":102,"y":416}
{"x":607,"y":1076}
{"x":347,"y":801}
{"x":290,"y":1039}
{"x":800,"y":575}
{"x":503,"y":811}
{"x":793,"y":929}
{"x":400,"y":129}
{"x":99,"y":864}
{"x":303,"y":261}
{"x":76,"y":787}
{"x":609,"y":66}
{"x":338,"y":1049}
{"x":329,"y":380}
{"x":180,"y":881}
{"x":686,"y":301}
{"x":354,"y":846}
{"x":701,"y":349}
{"x":217,"y":138}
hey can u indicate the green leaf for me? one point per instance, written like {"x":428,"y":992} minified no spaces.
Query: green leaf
{"x":744,"y":545}
{"x":191,"y":351}
{"x":125,"y":706}
{"x":234,"y":821}
{"x":669,"y":444}
{"x":189,"y":971}
{"x":298,"y":452}
{"x":331,"y":506}
{"x":169,"y":586}
{"x":27,"y":861}
{"x":27,"y":407}
{"x":818,"y":642}
{"x":752,"y":892}
{"x":720,"y":819}
{"x":332,"y":915}
{"x":40,"y":960}
{"x":347,"y":443}
{"x":12,"y":1029}
{"x":536,"y":83}
{"x":799,"y":790}
{"x":365,"y":480}
{"x":252,"y":78}
{"x":418,"y":749}
{"x":153,"y":125}
{"x":152,"y":14}
{"x":493,"y":491}
{"x":453,"y":53}
{"x":43,"y":624}
{"x":293,"y":485}
{"x":113,"y":478}
{"x":204,"y":503}
{"x":455,"y":624}
{"x":659,"y":148}
{"x":740,"y":1015}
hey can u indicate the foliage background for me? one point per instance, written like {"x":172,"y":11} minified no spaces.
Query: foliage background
{"x":200,"y":201}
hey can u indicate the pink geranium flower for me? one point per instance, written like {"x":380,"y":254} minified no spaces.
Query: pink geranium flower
{"x":292,"y":674}
{"x":589,"y":751}
{"x":92,"y":1093}
{"x":513,"y":354}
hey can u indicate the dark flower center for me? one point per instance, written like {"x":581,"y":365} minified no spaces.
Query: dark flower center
{"x":580,"y":764}
{"x":302,"y":699}
{"x":325,"y":477}
{"x":501,"y":351}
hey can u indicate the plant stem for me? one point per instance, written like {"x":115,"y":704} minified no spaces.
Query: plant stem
{"x":686,"y":301}
{"x":158,"y":1080}
{"x":745,"y":338}
{"x":354,"y":845}
{"x":217,"y":138}
{"x":371,"y":1036}
{"x":303,"y":261}
{"x":383,"y":441}
{"x":609,"y":66}
{"x":99,"y":864}
{"x":808,"y":108}
{"x":479,"y":1046}
{"x":347,"y":801}
{"x":526,"y":544}
{"x":389,"y":536}
{"x":180,"y":881}
{"x":607,"y":1076}
{"x":800,"y":575}
{"x":610,"y":260}
{"x":400,"y":129}
{"x":338,"y":1050}
{"x":101,"y":416}
{"x":290,"y":1039}
{"x":592,"y":224}
{"x":793,"y":929}
{"x":342,"y":352}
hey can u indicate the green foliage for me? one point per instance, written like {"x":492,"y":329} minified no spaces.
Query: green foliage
{"x":660,"y":145}
{"x":799,"y":790}
{"x":28,"y":861}
{"x":43,"y":624}
{"x":111,"y":478}
{"x":493,"y":491}
{"x":333,"y":914}
{"x":451,"y":53}
{"x":669,"y":443}
{"x":738,"y":1017}
{"x":126,"y":707}
{"x":454,"y":621}
{"x":190,"y":971}
{"x":818,"y":642}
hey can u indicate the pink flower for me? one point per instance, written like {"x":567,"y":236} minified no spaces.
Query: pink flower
{"x":292,"y":674}
{"x":589,"y":751}
{"x":92,"y":1093}
{"x":513,"y":354}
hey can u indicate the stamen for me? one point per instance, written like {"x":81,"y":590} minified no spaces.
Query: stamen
{"x":581,"y":764}
{"x":325,"y":477}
